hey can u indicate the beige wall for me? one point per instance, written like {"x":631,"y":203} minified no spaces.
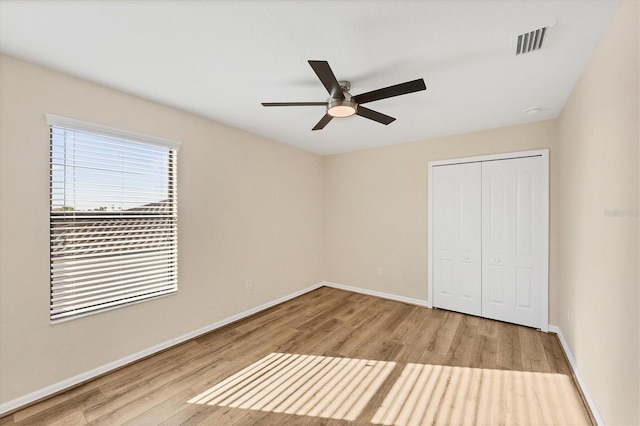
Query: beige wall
{"x":599,"y":184}
{"x":376,"y":208}
{"x":248,"y":208}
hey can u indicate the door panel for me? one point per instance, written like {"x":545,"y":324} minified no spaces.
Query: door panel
{"x":496,"y":285}
{"x":524,"y":213}
{"x":443,"y":276}
{"x":513,"y":209}
{"x":523,"y":288}
{"x":457,"y":245}
{"x":466,"y":269}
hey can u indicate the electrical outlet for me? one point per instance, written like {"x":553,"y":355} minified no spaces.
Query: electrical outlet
{"x":248,"y":285}
{"x":379,"y":271}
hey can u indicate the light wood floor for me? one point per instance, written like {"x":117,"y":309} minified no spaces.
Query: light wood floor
{"x":424,"y":366}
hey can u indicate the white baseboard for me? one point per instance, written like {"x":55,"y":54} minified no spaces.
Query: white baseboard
{"x":576,"y":373}
{"x":75,"y":380}
{"x":409,"y":300}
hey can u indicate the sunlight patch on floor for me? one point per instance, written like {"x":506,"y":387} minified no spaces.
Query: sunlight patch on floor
{"x":310,"y":385}
{"x":435,"y":394}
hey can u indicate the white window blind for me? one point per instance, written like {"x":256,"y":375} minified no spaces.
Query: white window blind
{"x":113,"y":218}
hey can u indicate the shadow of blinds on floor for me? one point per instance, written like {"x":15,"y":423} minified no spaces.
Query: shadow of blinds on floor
{"x":310,"y":385}
{"x":423,"y":394}
{"x":434,"y":394}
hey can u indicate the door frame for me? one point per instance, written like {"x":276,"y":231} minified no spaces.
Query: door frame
{"x":544,"y":153}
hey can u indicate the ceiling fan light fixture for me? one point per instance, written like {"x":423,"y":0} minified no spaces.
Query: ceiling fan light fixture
{"x":341,"y":107}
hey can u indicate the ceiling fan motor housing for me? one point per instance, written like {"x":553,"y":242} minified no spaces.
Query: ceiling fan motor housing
{"x":341,"y":107}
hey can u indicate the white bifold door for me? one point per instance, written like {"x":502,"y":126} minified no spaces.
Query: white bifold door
{"x":457,"y":238}
{"x":489,"y":239}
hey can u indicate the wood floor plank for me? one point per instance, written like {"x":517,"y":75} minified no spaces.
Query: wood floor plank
{"x":418,"y":329}
{"x":533,"y":354}
{"x":463,"y":343}
{"x":484,"y":353}
{"x":441,"y":340}
{"x":163,"y":409}
{"x":447,"y":368}
{"x":193,"y":414}
{"x":61,"y":407}
{"x":354,"y":304}
{"x":509,"y":350}
{"x":73,"y":418}
{"x":7,"y":420}
{"x":553,"y":352}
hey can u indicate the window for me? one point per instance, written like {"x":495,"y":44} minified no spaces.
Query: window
{"x":113,"y":218}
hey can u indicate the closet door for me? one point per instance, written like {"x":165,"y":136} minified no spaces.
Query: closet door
{"x":513,"y":223}
{"x":456,"y":237}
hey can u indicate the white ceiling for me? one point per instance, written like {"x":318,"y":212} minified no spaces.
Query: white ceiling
{"x":220,"y":59}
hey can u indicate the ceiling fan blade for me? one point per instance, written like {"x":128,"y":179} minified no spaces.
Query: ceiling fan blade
{"x":328,"y":79}
{"x":323,"y":122}
{"x":374,"y":115}
{"x":272,"y":104}
{"x":391,"y":91}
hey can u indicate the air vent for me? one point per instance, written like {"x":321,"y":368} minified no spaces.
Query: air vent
{"x":528,"y":42}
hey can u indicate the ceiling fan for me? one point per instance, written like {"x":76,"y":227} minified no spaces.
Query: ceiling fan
{"x":342,"y":104}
